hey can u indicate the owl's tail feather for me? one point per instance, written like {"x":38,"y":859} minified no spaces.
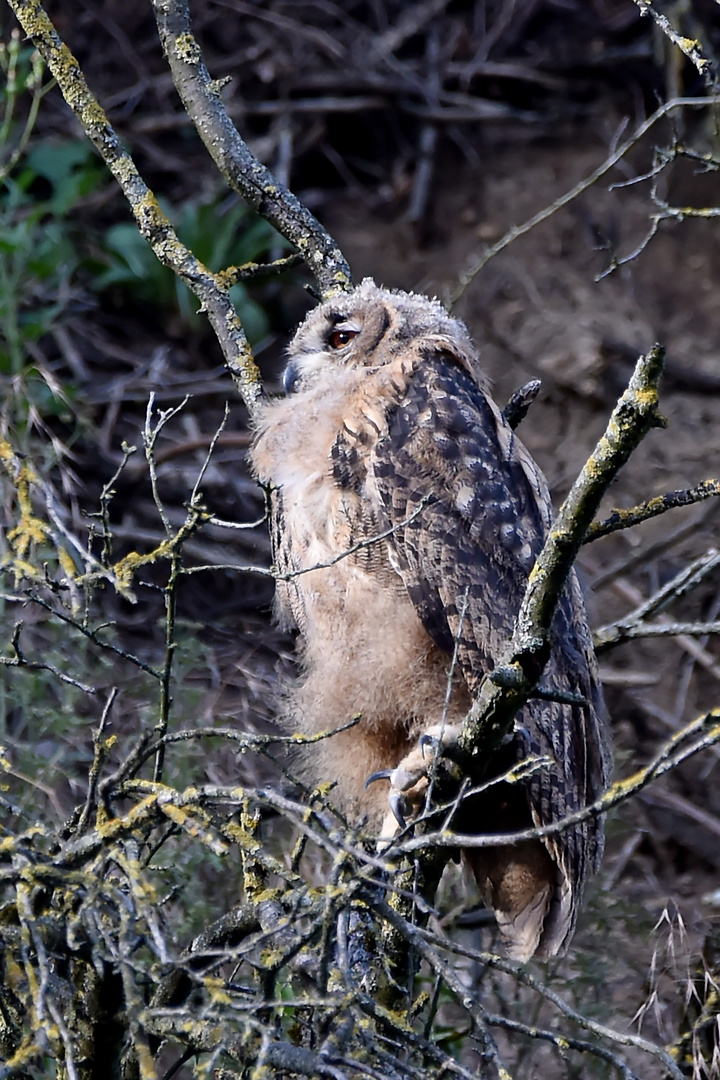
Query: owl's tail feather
{"x":532,"y":900}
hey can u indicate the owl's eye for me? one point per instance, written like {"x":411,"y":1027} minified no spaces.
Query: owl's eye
{"x":338,"y":338}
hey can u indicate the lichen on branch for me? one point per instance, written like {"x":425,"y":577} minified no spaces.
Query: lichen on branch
{"x":521,"y":665}
{"x":200,"y":95}
{"x":210,"y":289}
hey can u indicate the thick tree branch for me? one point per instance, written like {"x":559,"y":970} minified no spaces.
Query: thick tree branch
{"x":504,"y":693}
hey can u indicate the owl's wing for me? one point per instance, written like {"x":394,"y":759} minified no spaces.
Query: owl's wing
{"x":469,"y":512}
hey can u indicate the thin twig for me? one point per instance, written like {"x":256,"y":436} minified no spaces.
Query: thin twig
{"x":635,"y":623}
{"x":587,"y":182}
{"x":19,"y":660}
{"x":627,"y":519}
{"x":101,"y":749}
{"x":690,"y":48}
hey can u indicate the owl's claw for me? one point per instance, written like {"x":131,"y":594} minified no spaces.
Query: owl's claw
{"x":382,"y":774}
{"x":410,"y":779}
{"x":520,"y":734}
{"x":396,"y":798}
{"x":428,"y":740}
{"x":398,"y":806}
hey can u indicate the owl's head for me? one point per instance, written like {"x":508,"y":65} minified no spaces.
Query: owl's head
{"x":369,"y":327}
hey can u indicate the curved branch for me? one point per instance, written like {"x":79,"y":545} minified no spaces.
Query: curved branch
{"x":200,"y":96}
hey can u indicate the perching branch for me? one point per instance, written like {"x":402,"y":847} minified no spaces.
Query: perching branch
{"x":93,"y":892}
{"x":693,"y":739}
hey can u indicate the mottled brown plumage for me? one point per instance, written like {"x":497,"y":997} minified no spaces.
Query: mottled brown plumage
{"x":389,"y":428}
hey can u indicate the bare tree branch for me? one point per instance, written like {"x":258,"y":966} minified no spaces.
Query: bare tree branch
{"x":155,"y":226}
{"x":243,"y":172}
{"x":583,"y":185}
{"x":626,"y":519}
{"x":517,"y":672}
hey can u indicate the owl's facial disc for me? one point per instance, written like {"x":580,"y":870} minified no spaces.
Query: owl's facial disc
{"x":331,"y":342}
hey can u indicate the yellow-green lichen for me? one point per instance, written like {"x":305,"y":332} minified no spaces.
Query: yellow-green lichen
{"x":187,"y":49}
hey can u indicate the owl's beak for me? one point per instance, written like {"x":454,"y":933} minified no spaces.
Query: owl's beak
{"x":290,"y":377}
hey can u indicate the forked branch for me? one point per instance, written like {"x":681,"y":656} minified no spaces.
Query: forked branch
{"x":239,"y":166}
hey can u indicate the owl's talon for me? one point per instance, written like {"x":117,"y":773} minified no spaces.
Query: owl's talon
{"x":429,"y":740}
{"x":521,"y":732}
{"x":382,"y":774}
{"x":397,"y":804}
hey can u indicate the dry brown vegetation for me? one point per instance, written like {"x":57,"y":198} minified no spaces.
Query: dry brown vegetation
{"x":174,"y":903}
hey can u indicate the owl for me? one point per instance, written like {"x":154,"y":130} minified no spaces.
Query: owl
{"x":406,"y":517}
